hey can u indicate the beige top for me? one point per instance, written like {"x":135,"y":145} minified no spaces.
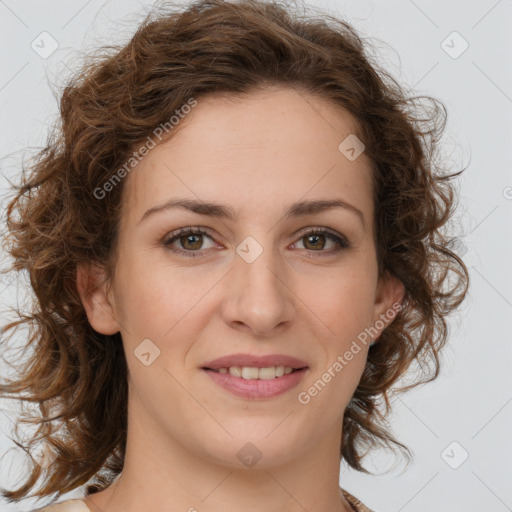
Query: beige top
{"x":80,"y":506}
{"x":355,"y":503}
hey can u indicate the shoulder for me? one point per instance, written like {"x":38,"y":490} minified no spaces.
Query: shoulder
{"x":66,"y":506}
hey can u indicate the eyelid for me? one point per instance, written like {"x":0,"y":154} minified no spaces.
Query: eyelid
{"x":322,"y":229}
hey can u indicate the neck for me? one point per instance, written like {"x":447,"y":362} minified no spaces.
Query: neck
{"x":160,"y":473}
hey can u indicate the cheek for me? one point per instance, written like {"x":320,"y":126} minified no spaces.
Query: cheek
{"x":343,"y":301}
{"x":347,"y":306}
{"x":153,"y":296}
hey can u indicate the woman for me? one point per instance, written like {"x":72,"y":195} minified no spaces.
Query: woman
{"x":235,"y":244}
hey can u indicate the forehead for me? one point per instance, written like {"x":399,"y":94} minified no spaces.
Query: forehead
{"x":257,"y":151}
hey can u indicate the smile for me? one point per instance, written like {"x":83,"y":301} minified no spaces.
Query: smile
{"x":246,"y":382}
{"x":252,"y":372}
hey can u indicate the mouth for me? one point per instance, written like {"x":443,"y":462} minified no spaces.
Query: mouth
{"x":256,"y":376}
{"x":254,"y":383}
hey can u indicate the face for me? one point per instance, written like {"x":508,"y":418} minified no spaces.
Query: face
{"x":265,"y":279}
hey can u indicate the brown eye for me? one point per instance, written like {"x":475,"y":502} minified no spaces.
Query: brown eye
{"x":317,"y":240}
{"x":314,"y":241}
{"x":320,"y":241}
{"x":190,"y":240}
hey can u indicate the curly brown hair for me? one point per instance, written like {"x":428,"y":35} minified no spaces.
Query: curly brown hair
{"x":77,"y":376}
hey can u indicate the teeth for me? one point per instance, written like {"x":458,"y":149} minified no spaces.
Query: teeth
{"x":249,"y":373}
{"x":236,"y":371}
{"x":246,"y":372}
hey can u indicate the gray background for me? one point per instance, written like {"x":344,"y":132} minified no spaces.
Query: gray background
{"x":470,"y":403}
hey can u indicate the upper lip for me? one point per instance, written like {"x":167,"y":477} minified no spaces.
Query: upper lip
{"x":255,"y":361}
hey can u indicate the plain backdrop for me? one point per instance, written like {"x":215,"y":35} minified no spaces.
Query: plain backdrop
{"x":459,"y":426}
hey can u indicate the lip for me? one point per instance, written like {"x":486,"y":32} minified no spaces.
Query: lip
{"x":256,"y":388}
{"x":255,"y":361}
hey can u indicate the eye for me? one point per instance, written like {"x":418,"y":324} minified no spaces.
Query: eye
{"x":316,"y":238}
{"x":191,"y":240}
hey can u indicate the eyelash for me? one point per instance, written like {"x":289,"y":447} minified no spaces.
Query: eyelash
{"x":342,"y":242}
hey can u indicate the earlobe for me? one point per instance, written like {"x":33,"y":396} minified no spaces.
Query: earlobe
{"x":388,"y":301}
{"x":93,"y":290}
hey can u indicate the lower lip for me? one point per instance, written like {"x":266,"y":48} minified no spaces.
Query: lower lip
{"x":257,"y":388}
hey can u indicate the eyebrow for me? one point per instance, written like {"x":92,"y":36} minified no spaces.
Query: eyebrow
{"x":297,"y":209}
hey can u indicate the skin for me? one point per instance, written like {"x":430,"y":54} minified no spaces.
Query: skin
{"x":258,"y":154}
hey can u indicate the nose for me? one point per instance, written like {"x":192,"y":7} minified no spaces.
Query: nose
{"x":259,"y":295}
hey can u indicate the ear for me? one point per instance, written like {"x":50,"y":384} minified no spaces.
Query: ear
{"x":388,"y":302}
{"x":92,"y":287}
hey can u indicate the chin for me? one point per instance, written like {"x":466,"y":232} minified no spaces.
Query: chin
{"x":257,"y":450}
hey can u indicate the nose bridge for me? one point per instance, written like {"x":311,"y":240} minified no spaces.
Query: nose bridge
{"x":258,"y":265}
{"x":258,"y":294}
